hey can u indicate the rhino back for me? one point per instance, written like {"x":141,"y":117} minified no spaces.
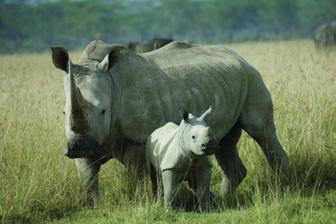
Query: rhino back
{"x":182,"y":76}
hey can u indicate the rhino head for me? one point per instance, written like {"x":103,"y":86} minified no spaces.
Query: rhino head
{"x":197,"y":135}
{"x":88,"y":106}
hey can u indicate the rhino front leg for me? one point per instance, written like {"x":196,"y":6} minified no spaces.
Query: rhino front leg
{"x":170,"y":184}
{"x":233,"y":169}
{"x":228,"y":159}
{"x":202,"y":189}
{"x":88,"y":173}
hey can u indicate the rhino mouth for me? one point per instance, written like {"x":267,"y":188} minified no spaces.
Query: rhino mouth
{"x":83,"y":148}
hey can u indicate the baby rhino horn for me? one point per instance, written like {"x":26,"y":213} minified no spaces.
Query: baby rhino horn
{"x":205,"y":114}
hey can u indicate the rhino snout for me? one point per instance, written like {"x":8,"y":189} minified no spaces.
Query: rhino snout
{"x":82,"y":148}
{"x":209,"y":147}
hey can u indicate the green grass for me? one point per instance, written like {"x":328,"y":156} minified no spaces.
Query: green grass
{"x":38,"y":184}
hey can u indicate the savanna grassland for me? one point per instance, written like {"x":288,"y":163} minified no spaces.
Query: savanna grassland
{"x":39,"y":185}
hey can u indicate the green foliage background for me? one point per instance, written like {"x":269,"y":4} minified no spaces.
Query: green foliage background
{"x":27,"y":25}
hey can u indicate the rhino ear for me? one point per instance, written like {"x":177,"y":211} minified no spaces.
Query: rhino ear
{"x":60,"y":58}
{"x":185,"y":116}
{"x":110,"y":59}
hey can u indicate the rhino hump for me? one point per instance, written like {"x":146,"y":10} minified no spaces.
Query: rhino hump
{"x":97,"y":50}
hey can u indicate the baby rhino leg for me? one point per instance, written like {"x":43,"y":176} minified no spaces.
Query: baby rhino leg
{"x":201,"y":186}
{"x":170,"y":180}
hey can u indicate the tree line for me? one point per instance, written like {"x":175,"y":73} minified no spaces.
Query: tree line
{"x":33,"y":25}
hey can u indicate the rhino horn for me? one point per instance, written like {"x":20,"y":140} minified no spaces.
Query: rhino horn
{"x":75,"y":105}
{"x":61,"y":60}
{"x":77,"y":120}
{"x":205,"y":114}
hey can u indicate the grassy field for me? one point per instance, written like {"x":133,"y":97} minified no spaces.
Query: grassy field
{"x":39,"y":185}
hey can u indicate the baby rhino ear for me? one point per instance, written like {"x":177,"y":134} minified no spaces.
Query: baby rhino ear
{"x":185,"y":116}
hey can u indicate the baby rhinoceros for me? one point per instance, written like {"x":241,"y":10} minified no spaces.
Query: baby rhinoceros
{"x":176,"y":153}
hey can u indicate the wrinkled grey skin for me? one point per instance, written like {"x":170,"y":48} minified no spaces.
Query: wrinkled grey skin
{"x":115,"y":98}
{"x":178,"y":152}
{"x":325,"y":35}
{"x":143,"y":47}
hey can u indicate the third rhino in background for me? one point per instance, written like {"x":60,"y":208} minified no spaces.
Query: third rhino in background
{"x":325,"y":35}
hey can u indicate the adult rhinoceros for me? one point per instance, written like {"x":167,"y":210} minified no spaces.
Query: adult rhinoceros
{"x":115,"y":98}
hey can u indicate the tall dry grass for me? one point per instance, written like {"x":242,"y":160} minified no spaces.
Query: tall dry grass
{"x":37,"y":183}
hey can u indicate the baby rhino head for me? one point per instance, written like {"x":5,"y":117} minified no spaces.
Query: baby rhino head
{"x":196,"y":133}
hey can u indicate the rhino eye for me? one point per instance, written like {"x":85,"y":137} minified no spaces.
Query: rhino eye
{"x":193,"y":137}
{"x":63,"y":112}
{"x":103,"y":111}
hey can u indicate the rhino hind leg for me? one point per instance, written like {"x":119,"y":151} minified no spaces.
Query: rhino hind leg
{"x":88,"y":170}
{"x":155,"y":181}
{"x":228,"y":159}
{"x":257,"y":120}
